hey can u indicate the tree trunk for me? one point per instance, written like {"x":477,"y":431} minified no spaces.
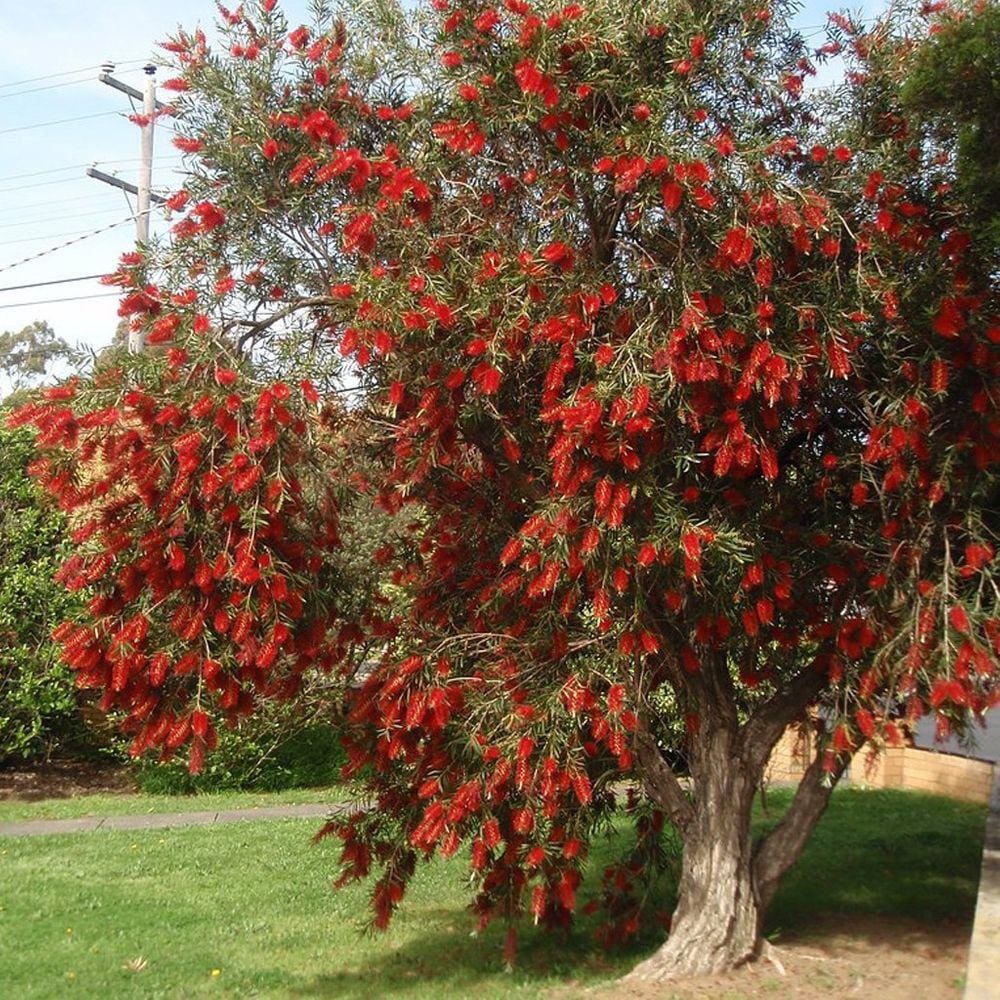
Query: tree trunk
{"x":717,"y":922}
{"x":727,"y":882}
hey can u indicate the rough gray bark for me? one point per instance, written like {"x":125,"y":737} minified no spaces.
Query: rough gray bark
{"x":717,"y":922}
{"x":726,"y":883}
{"x":661,"y":783}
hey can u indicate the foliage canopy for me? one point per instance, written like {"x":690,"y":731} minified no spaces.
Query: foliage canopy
{"x":678,"y":374}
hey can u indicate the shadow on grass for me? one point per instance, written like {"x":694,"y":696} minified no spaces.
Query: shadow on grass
{"x":910,"y":858}
{"x":448,"y":961}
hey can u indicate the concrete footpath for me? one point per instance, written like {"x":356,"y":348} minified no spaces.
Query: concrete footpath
{"x":982,"y":981}
{"x":161,"y":821}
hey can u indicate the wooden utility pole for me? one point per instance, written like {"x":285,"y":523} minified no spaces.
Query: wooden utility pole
{"x":142,"y":191}
{"x":145,"y":158}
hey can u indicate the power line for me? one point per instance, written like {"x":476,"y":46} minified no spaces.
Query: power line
{"x":42,"y":173}
{"x":71,"y":180}
{"x":55,"y":281}
{"x":39,"y":184}
{"x":60,"y":246}
{"x":48,"y":203}
{"x":68,"y":72}
{"x":45,"y":236}
{"x":47,"y":302}
{"x":56,"y":86}
{"x":58,"y":121}
{"x":58,"y":218}
{"x":81,"y":166}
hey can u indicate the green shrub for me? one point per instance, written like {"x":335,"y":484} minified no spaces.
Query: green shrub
{"x":38,"y":701}
{"x":269,"y":753}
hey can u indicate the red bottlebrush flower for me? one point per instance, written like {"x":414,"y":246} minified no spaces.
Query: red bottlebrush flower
{"x":977,"y":556}
{"x":209,"y":216}
{"x":842,"y":741}
{"x":397,"y":392}
{"x":491,"y":834}
{"x":765,"y":313}
{"x":647,"y":554}
{"x":724,"y":144}
{"x":949,"y":321}
{"x":533,"y":859}
{"x":737,"y":247}
{"x":523,"y":821}
{"x":691,"y":544}
{"x":487,"y":378}
{"x":512,"y":550}
{"x":840,"y":363}
{"x":604,"y":355}
{"x":958,"y":619}
{"x":486,"y":21}
{"x":939,"y":375}
{"x":557,"y":253}
{"x":769,"y":463}
{"x":641,"y":112}
{"x":697,"y":47}
{"x":309,"y":393}
{"x":865,"y":722}
{"x":199,"y":723}
{"x":480,"y":855}
{"x":299,"y":38}
{"x":188,"y":145}
{"x":177,"y":201}
{"x":616,"y":698}
{"x":159,"y":665}
{"x":671,"y":192}
{"x":452,"y":60}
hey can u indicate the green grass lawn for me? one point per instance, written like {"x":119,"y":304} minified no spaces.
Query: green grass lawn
{"x":130,"y":805}
{"x":246,"y":910}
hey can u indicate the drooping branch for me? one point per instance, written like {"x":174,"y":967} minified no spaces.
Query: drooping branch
{"x":781,"y":848}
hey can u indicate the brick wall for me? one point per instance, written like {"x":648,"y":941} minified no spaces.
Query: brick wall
{"x":897,"y":767}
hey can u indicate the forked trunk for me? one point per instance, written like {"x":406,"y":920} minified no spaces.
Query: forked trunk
{"x":727,"y":882}
{"x":717,"y":922}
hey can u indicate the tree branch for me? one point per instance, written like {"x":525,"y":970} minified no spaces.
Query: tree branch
{"x":781,"y":848}
{"x":764,"y":727}
{"x":661,"y":783}
{"x":257,"y":326}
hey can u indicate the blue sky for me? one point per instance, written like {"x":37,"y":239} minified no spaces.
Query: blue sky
{"x":45,"y":196}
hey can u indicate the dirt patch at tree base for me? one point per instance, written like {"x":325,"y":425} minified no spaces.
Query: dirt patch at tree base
{"x":63,"y":779}
{"x":832,"y":958}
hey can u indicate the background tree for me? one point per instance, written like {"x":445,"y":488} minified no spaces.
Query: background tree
{"x":38,"y":705}
{"x":675,"y":372}
{"x":30,"y":354}
{"x":954,"y":83}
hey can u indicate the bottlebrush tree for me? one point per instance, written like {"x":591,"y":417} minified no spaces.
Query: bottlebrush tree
{"x":678,"y":371}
